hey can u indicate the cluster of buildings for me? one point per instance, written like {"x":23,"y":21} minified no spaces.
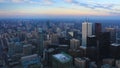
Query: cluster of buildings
{"x":46,"y":44}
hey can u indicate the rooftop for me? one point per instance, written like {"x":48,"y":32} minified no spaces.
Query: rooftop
{"x":83,"y":47}
{"x":115,"y":44}
{"x":29,"y":57}
{"x":27,"y":45}
{"x":62,"y":57}
{"x":92,"y":36}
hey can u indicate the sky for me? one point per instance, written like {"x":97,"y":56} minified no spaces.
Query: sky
{"x":60,"y":8}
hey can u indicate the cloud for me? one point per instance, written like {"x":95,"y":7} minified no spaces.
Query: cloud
{"x":14,"y":1}
{"x":93,"y":5}
{"x":17,"y":1}
{"x":90,"y":4}
{"x":41,"y":2}
{"x":48,"y":2}
{"x":69,"y":1}
{"x":1,"y":0}
{"x":104,"y":7}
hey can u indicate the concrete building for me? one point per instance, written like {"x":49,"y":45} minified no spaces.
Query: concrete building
{"x":83,"y":51}
{"x":54,"y":38}
{"x":1,"y":62}
{"x":112,"y":34}
{"x":91,"y":41}
{"x":11,"y":49}
{"x":104,"y":43}
{"x":93,"y":65}
{"x":81,"y":62}
{"x":64,"y":41}
{"x":106,"y":66}
{"x":86,"y":31}
{"x":18,"y":47}
{"x":40,"y":47}
{"x":46,"y":43}
{"x":98,"y":29}
{"x":109,"y":61}
{"x":30,"y":60}
{"x":115,"y":50}
{"x":117,"y":63}
{"x":117,"y":35}
{"x":27,"y":49}
{"x":74,"y":43}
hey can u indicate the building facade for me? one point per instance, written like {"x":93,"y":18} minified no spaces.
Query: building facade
{"x":86,"y":31}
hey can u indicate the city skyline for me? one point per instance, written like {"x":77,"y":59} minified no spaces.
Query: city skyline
{"x":37,"y":43}
{"x":59,"y":34}
{"x":63,"y":8}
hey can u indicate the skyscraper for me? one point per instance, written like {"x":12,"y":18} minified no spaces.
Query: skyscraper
{"x":112,"y":34}
{"x":41,"y":39}
{"x":104,"y":44}
{"x":86,"y":31}
{"x":91,"y":41}
{"x":74,"y":43}
{"x":98,"y":29}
